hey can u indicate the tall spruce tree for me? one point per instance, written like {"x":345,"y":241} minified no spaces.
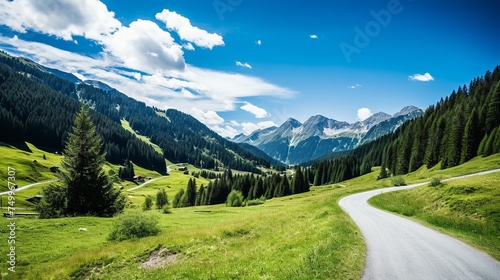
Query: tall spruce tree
{"x":89,"y":191}
{"x":493,"y":113}
{"x":471,"y":140}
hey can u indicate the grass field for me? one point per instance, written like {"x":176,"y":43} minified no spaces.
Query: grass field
{"x":305,"y":236}
{"x":468,"y":209}
{"x":31,"y":167}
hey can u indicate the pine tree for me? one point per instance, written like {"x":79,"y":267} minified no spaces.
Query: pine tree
{"x":190,"y":194}
{"x":493,"y":113}
{"x":470,"y":142}
{"x":488,"y":148}
{"x":297,"y":182}
{"x":480,"y":150}
{"x":496,"y":143}
{"x":89,"y":191}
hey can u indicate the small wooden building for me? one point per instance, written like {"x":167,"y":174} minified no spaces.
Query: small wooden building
{"x":34,"y":199}
{"x":139,"y":178}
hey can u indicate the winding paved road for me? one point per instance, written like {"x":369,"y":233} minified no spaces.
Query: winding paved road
{"x":398,"y":248}
{"x":29,"y":186}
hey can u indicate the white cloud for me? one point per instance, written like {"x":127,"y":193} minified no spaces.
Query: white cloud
{"x":246,"y":65}
{"x":188,"y":46}
{"x":355,"y":86}
{"x":256,"y":111}
{"x":258,"y":42}
{"x":249,"y":127}
{"x":141,"y":60}
{"x":313,"y":36}
{"x":146,"y":47}
{"x":235,"y":123}
{"x":422,"y":78}
{"x":364,"y":113}
{"x":63,"y":19}
{"x":187,"y":32}
{"x":209,"y":117}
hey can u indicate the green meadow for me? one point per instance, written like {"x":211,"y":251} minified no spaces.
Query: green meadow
{"x":304,"y":236}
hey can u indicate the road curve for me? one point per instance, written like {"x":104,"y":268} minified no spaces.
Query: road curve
{"x":398,"y":248}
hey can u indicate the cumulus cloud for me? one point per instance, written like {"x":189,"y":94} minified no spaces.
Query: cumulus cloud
{"x":422,"y":78}
{"x":235,"y":123}
{"x":246,"y":65}
{"x":258,"y":42}
{"x":256,"y":111}
{"x":364,"y":113}
{"x":313,"y":36}
{"x":63,"y":19}
{"x":146,"y":47}
{"x":187,"y":32}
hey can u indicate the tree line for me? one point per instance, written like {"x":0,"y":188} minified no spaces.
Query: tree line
{"x":251,"y":187}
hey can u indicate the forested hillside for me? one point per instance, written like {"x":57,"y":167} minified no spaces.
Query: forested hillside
{"x":33,"y":112}
{"x":38,"y":106}
{"x":464,"y":125}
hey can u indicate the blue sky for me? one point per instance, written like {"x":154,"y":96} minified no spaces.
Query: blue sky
{"x":238,"y":65}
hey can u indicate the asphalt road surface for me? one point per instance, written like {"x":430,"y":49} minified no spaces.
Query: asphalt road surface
{"x":398,"y":248}
{"x":29,"y":186}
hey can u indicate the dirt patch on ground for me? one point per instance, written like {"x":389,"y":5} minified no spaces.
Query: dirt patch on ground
{"x":160,"y":257}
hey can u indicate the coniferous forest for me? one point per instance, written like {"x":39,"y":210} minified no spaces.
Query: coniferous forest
{"x":37,"y":106}
{"x":464,"y":125}
{"x":251,"y":187}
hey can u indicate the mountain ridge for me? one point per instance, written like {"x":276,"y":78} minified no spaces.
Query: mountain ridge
{"x":294,"y":142}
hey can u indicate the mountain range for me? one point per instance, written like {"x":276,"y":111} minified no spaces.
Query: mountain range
{"x":294,"y":142}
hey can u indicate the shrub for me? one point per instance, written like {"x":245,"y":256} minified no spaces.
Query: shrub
{"x":134,"y":224}
{"x":256,"y":201}
{"x":398,"y":181}
{"x":148,"y":203}
{"x":234,"y":199}
{"x":435,"y":181}
{"x":161,"y":199}
{"x":166,"y":209}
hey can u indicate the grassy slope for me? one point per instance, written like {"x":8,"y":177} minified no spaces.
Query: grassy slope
{"x":28,"y":172}
{"x":304,"y":236}
{"x":468,"y":209}
{"x":126,"y":125}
